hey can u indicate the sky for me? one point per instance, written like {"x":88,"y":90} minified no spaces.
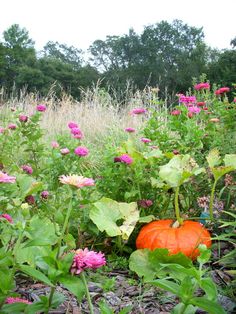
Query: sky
{"x":80,"y":22}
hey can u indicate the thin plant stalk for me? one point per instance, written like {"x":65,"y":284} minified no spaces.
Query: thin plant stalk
{"x":87,"y":292}
{"x":212,"y":200}
{"x":177,"y":210}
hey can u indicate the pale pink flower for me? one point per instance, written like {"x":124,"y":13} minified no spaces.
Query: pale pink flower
{"x":27,"y":169}
{"x":202,"y":86}
{"x":233,"y":101}
{"x":125,"y":158}
{"x":138,"y":111}
{"x":81,"y":151}
{"x":7,"y":217}
{"x":2,"y":130}
{"x":41,"y":108}
{"x":77,"y":181}
{"x":72,"y":125}
{"x":54,"y":144}
{"x":23,"y":118}
{"x":65,"y":151}
{"x":5,"y":178}
{"x":145,"y":140}
{"x":11,"y":300}
{"x":12,"y":126}
{"x":130,"y":130}
{"x":84,"y":259}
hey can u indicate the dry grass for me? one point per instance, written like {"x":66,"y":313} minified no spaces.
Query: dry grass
{"x":97,"y":114}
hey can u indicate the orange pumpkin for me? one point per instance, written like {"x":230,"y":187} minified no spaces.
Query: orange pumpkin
{"x":185,"y":238}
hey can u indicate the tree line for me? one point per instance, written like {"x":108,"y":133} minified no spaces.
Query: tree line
{"x":165,"y":55}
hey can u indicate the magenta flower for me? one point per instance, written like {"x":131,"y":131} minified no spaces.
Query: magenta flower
{"x":81,"y":151}
{"x":11,"y":300}
{"x":201,"y":103}
{"x":76,"y":133}
{"x":23,"y":118}
{"x":45,"y":194}
{"x":2,"y":130}
{"x":194,"y":109}
{"x":27,"y":169}
{"x":5,"y":178}
{"x":41,"y":108}
{"x":145,"y":203}
{"x":201,"y":86}
{"x":126,"y":159}
{"x":222,"y":90}
{"x":187,"y":99}
{"x":65,"y":151}
{"x":84,"y":259}
{"x":30,"y":199}
{"x":77,"y":181}
{"x":12,"y":126}
{"x":138,"y":111}
{"x":145,"y":140}
{"x":72,"y":125}
{"x":7,"y":217}
{"x":130,"y":130}
{"x":175,"y":112}
{"x":54,"y":144}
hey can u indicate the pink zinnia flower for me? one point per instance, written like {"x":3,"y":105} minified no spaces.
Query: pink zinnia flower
{"x":187,"y":99}
{"x":72,"y":125}
{"x":23,"y":118}
{"x":84,"y":259}
{"x":145,"y":140}
{"x":5,"y":178}
{"x":44,"y":194}
{"x":138,"y":111}
{"x":27,"y":169}
{"x":7,"y":217}
{"x":77,"y":133}
{"x":12,"y":126}
{"x":222,"y":90}
{"x":202,"y":86}
{"x":64,"y":151}
{"x":11,"y":300}
{"x":2,"y":130}
{"x":77,"y":181}
{"x":125,"y":158}
{"x":175,"y":112}
{"x":54,"y":144}
{"x":130,"y":130}
{"x":41,"y":108}
{"x":81,"y":151}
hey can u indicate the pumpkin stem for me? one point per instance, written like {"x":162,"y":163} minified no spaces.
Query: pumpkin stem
{"x":177,"y":211}
{"x":175,"y":224}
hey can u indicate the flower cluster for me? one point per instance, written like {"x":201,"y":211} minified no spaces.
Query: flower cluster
{"x":77,"y":181}
{"x":41,"y":108}
{"x":81,"y":151}
{"x":187,"y":99}
{"x":84,"y":259}
{"x":75,"y":130}
{"x":138,"y":111}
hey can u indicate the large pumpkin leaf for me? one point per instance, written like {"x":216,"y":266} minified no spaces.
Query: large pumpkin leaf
{"x":178,"y":170}
{"x":230,"y":160}
{"x":213,"y":158}
{"x":107,"y":212}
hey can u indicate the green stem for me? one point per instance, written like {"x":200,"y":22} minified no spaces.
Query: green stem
{"x":177,"y":211}
{"x":212,"y":200}
{"x":87,"y":292}
{"x":50,"y":299}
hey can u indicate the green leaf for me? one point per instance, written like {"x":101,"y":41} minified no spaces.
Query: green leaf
{"x":155,"y":153}
{"x":104,"y":308}
{"x":57,"y":299}
{"x":209,"y":306}
{"x":74,"y":284}
{"x":181,"y":308}
{"x":35,"y":274}
{"x":166,"y":285}
{"x":178,"y":170}
{"x":221,"y":171}
{"x":28,"y":185}
{"x":213,"y":158}
{"x":16,"y":308}
{"x":230,"y":160}
{"x":7,"y":282}
{"x":209,"y":287}
{"x":187,"y":288}
{"x":146,"y":219}
{"x":107,"y":212}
